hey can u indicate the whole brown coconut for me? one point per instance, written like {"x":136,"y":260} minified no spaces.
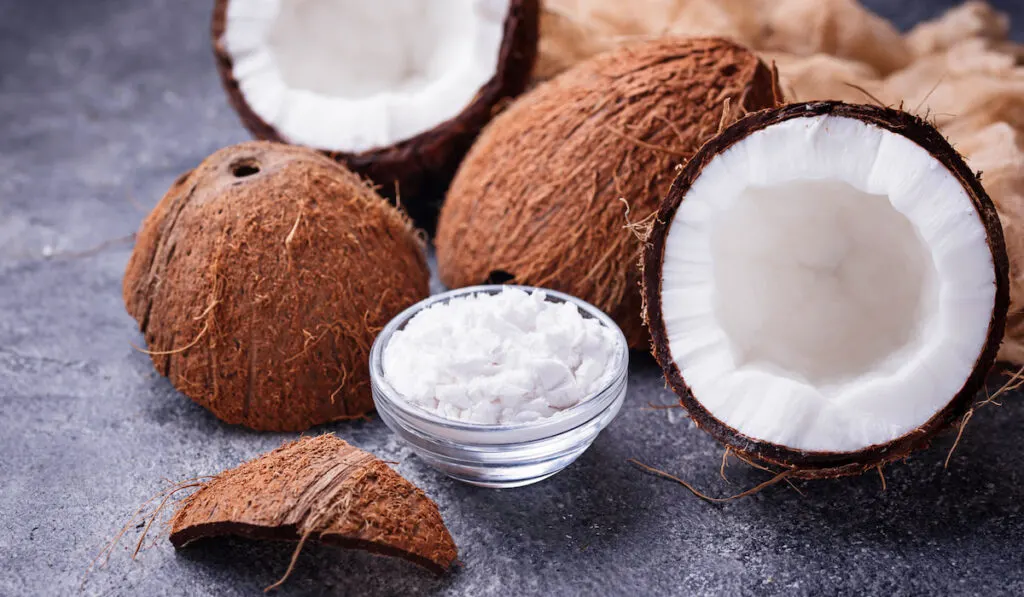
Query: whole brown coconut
{"x":261,"y":279}
{"x":539,"y":198}
{"x":321,"y":489}
{"x":419,"y":168}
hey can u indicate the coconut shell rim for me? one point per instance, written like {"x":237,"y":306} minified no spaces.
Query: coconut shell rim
{"x":821,"y":464}
{"x":446,"y":141}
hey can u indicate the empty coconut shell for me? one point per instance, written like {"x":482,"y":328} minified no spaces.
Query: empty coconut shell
{"x":261,"y":279}
{"x":319,"y":489}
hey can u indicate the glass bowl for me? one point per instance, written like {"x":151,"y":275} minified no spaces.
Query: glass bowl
{"x":509,"y":455}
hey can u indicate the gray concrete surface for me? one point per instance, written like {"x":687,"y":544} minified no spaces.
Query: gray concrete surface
{"x":102,"y":104}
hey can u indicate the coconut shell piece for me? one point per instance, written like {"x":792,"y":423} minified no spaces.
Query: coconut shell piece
{"x":809,"y":464}
{"x":261,"y":279}
{"x":418,"y":169}
{"x":542,"y":197}
{"x":320,"y":489}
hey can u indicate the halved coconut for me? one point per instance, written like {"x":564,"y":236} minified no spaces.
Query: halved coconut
{"x":395,"y":88}
{"x":826,"y":286}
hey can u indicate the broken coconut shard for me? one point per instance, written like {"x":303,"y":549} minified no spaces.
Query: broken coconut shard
{"x":261,"y":279}
{"x":397,"y":89}
{"x":826,"y":286}
{"x":539,"y":197}
{"x":320,"y":489}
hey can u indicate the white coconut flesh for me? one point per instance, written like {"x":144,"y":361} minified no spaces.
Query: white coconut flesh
{"x":355,"y":75}
{"x":827,"y":285}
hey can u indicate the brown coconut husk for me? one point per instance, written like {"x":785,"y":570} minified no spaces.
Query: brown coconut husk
{"x":801,"y":463}
{"x":261,"y":279}
{"x":415,"y":170}
{"x":537,"y":200}
{"x":319,"y":489}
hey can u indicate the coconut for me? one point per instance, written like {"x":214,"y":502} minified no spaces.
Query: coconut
{"x":319,"y":489}
{"x":396,"y":89}
{"x":826,"y":286}
{"x":540,"y":198}
{"x":261,"y":279}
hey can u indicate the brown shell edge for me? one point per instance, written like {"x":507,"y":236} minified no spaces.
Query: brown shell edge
{"x":809,"y":464}
{"x":417,"y":169}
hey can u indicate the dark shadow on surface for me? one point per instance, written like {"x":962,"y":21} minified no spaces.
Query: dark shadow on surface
{"x":250,"y":566}
{"x":642,"y":361}
{"x":923,"y":507}
{"x":591,"y":505}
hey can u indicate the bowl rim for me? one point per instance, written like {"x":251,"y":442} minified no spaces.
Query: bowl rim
{"x":593,"y":405}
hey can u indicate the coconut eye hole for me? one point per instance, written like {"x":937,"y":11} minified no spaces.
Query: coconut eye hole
{"x":499,"y":276}
{"x":244,"y":167}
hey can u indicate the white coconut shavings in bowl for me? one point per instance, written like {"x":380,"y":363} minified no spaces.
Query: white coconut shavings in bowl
{"x":509,"y":357}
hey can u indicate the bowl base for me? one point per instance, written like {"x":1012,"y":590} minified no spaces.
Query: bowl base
{"x":502,"y":484}
{"x":502,"y":477}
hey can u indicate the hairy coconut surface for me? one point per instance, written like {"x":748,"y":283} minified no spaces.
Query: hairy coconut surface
{"x":357,"y":72}
{"x":261,"y":279}
{"x":541,"y":198}
{"x":321,"y":489}
{"x":859,"y":311}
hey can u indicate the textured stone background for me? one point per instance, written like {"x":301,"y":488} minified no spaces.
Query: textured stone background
{"x":102,"y":104}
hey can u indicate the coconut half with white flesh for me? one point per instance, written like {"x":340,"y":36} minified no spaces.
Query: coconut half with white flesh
{"x":826,"y":286}
{"x":397,"y":89}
